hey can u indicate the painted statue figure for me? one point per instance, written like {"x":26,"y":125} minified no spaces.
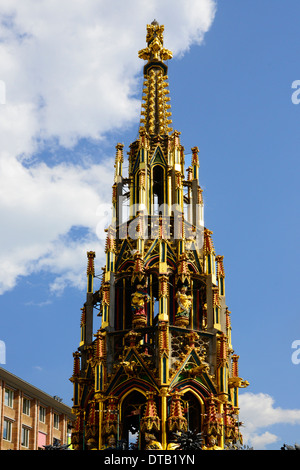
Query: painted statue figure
{"x":184,"y":302}
{"x":151,"y":442}
{"x":138,"y":300}
{"x":110,"y":442}
{"x":212,"y":444}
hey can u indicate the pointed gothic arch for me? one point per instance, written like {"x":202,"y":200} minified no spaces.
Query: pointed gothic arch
{"x":194,"y":409}
{"x":132,"y":405}
{"x":159,"y":193}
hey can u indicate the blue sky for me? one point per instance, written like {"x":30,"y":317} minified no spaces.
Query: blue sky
{"x":72,"y":91}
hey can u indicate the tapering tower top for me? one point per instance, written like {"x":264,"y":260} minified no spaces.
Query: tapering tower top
{"x":155,"y":113}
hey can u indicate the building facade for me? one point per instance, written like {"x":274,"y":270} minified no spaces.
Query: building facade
{"x":161,"y":361}
{"x":29,"y":418}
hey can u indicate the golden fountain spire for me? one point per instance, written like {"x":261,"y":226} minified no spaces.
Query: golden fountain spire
{"x":161,"y":360}
{"x":156,"y":107}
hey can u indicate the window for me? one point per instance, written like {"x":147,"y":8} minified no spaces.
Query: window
{"x":208,"y":264}
{"x":26,"y":406}
{"x":42,"y":414}
{"x":25,"y":437}
{"x":158,"y":190}
{"x":7,"y":430}
{"x":56,"y":421}
{"x":217,"y":315}
{"x":8,"y":397}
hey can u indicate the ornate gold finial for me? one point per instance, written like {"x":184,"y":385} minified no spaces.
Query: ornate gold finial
{"x":155,"y":50}
{"x":155,"y":113}
{"x":177,"y":422}
{"x":118,"y":161}
{"x":150,"y":422}
{"x":90,"y":265}
{"x":90,"y":270}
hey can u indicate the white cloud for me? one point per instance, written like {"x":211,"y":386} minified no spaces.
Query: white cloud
{"x":70,"y":71}
{"x":261,"y":441}
{"x":67,"y":261}
{"x":40,"y":205}
{"x":258,"y":412}
{"x":74,"y":63}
